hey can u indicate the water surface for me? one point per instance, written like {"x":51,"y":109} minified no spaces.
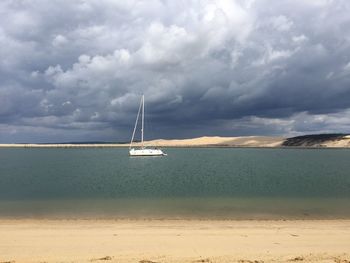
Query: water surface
{"x":189,"y":182}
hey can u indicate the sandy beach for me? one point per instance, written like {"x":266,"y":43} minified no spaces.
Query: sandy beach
{"x":147,"y":241}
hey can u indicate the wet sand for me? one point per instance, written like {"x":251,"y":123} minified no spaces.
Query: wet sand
{"x":36,"y":240}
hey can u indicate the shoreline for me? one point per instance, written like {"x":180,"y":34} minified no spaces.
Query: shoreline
{"x":176,"y":208}
{"x":97,"y":220}
{"x":307,"y":141}
{"x":174,"y":241}
{"x":167,"y":146}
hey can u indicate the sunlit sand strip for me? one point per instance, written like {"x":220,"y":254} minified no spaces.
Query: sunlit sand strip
{"x":206,"y":141}
{"x":251,"y":141}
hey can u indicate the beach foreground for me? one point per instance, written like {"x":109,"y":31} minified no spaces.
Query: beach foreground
{"x":174,"y":241}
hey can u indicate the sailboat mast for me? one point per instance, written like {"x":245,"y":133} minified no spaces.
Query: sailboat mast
{"x":137,"y":119}
{"x":143,"y":118}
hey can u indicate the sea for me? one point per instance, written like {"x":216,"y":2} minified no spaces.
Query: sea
{"x":189,"y":183}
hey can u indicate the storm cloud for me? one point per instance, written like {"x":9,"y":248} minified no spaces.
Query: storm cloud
{"x":75,"y":70}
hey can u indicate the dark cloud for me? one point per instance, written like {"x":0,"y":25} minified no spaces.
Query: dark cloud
{"x":75,"y":70}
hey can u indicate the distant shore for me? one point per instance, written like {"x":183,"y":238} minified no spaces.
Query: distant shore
{"x":150,"y":241}
{"x":307,"y":141}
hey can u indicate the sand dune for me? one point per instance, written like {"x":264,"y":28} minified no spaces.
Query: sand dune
{"x":252,"y":141}
{"x":318,"y":141}
{"x":248,"y":141}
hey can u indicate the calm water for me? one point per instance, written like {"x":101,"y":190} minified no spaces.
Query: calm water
{"x":189,"y":182}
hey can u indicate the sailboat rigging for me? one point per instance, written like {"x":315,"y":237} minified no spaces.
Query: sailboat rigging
{"x":142,"y":151}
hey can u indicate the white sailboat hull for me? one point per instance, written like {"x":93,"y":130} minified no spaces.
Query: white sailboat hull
{"x":146,"y":152}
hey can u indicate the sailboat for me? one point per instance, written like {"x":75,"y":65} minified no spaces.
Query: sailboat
{"x":142,"y":150}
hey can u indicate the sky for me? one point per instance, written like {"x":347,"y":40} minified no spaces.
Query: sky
{"x":76,"y":70}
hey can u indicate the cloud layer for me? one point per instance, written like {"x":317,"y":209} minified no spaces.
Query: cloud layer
{"x":75,"y":70}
